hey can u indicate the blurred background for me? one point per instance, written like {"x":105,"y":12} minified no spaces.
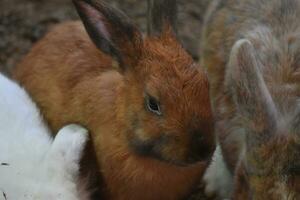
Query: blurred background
{"x":23,"y":22}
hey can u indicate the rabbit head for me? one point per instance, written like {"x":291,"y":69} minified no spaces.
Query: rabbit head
{"x":270,"y":164}
{"x":164,"y":103}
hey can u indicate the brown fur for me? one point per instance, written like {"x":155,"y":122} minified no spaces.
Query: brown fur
{"x":244,"y":122}
{"x":72,"y":81}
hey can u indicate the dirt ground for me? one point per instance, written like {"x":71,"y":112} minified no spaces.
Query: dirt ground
{"x":23,"y":22}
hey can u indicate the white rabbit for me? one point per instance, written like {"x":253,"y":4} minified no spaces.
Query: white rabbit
{"x":32,"y":164}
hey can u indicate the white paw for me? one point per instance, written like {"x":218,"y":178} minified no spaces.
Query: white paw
{"x":211,"y":188}
{"x":68,"y":146}
{"x":217,"y":178}
{"x":73,"y":129}
{"x":70,"y":140}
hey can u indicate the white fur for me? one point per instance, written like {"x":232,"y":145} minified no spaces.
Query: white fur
{"x":217,"y":176}
{"x":32,"y":165}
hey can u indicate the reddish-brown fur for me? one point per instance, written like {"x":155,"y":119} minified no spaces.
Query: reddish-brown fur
{"x":72,"y":81}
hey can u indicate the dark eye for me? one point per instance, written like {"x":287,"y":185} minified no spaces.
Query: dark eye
{"x":153,"y":105}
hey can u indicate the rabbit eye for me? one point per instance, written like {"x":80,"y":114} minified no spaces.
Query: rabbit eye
{"x":153,"y":105}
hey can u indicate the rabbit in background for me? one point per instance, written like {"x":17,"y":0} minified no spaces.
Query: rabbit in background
{"x":32,"y":164}
{"x":144,"y":99}
{"x":251,"y":51}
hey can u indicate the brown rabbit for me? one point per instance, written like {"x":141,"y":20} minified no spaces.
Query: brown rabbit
{"x":145,"y":101}
{"x":255,"y":94}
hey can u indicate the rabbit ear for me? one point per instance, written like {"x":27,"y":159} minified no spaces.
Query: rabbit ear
{"x":162,"y":15}
{"x":250,"y":93}
{"x":110,"y":30}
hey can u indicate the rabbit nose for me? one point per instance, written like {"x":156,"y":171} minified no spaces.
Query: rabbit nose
{"x":200,"y":150}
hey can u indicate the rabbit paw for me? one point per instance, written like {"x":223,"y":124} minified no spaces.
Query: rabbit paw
{"x":217,"y":178}
{"x":67,"y":147}
{"x":70,"y":140}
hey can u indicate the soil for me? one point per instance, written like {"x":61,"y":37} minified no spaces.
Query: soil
{"x":23,"y":22}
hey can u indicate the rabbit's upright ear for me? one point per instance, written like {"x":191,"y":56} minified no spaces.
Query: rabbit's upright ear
{"x":250,"y":94}
{"x":162,"y":14}
{"x":110,"y":30}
